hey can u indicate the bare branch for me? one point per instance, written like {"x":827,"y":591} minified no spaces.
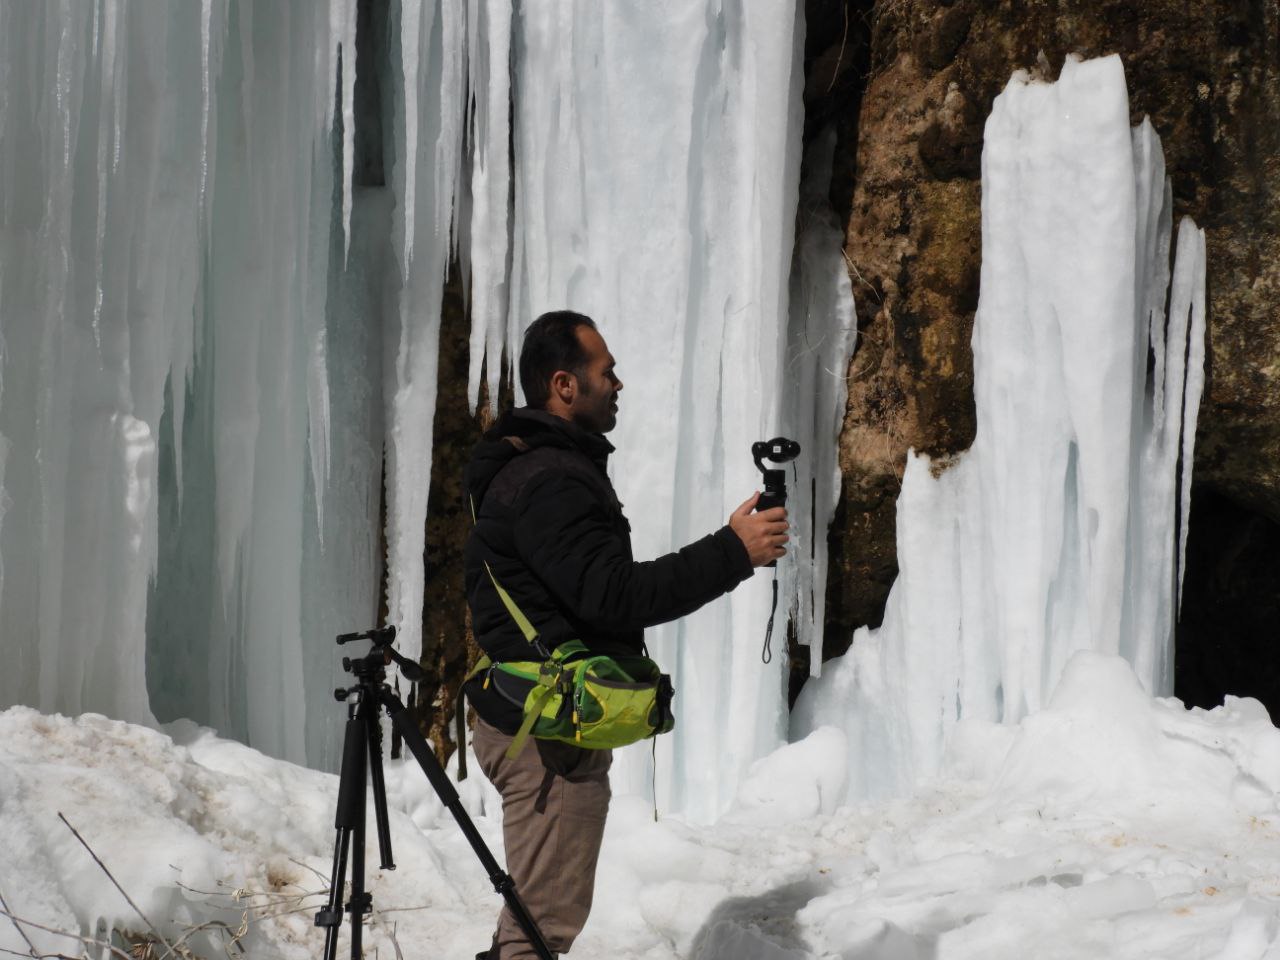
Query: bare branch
{"x":395,"y":943}
{"x":40,"y":956}
{"x":242,"y":894}
{"x":306,"y":866}
{"x":233,"y":937}
{"x":22,"y":933}
{"x":861,"y":278}
{"x":835,"y":71}
{"x":87,"y":941}
{"x":156,"y":933}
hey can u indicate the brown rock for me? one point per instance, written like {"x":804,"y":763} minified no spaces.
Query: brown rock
{"x":1209,"y":77}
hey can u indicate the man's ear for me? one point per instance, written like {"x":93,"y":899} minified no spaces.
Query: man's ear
{"x":564,"y":385}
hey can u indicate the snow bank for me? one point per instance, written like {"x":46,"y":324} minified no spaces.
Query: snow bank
{"x":1109,"y":825}
{"x":197,"y":830}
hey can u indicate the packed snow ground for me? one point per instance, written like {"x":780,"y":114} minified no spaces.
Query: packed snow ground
{"x":1110,"y":824}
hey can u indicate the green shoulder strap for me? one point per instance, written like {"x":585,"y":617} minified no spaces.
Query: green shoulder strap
{"x":531,"y":637}
{"x":531,"y":714}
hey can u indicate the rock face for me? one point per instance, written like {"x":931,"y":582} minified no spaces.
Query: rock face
{"x":1207,"y":74}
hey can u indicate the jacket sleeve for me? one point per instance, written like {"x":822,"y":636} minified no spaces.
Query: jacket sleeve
{"x":567,"y":538}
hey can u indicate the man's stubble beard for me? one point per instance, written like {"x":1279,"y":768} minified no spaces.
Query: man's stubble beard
{"x":608,"y":417}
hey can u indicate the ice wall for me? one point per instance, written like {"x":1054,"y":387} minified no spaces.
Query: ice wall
{"x":210,"y":337}
{"x":166,"y":217}
{"x":1058,"y":529}
{"x":656,"y":156}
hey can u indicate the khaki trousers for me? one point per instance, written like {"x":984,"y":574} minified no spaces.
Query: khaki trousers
{"x":554,"y":801}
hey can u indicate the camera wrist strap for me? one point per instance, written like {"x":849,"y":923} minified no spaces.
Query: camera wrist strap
{"x":766,"y":655}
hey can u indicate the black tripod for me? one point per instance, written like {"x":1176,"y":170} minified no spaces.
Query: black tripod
{"x":361,"y":754}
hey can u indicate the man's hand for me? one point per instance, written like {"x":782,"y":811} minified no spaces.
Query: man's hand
{"x":764,"y":534}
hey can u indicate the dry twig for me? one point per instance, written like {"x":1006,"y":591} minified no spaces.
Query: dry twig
{"x":96,"y":859}
{"x":17,"y":926}
{"x":835,"y":71}
{"x":86,"y":941}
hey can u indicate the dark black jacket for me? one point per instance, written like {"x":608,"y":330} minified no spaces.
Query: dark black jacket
{"x":552,"y":530}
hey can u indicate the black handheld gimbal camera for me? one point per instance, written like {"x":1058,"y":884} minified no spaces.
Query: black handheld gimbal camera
{"x":777,"y":450}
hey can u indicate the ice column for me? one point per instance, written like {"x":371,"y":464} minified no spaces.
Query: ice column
{"x":427,"y":123}
{"x":656,"y":169}
{"x":489,"y":247}
{"x":102,"y":166}
{"x":822,"y":333}
{"x":166,"y":218}
{"x":1056,"y":531}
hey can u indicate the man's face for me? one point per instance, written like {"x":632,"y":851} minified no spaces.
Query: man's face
{"x":595,"y":406}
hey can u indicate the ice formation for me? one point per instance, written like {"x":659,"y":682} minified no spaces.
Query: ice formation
{"x":1058,"y":530}
{"x":211,"y":334}
{"x":166,"y":190}
{"x":822,"y":336}
{"x":655,"y":189}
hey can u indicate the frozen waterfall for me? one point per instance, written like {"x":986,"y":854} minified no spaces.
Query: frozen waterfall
{"x":214,"y":332}
{"x":214,"y":329}
{"x":165,"y":228}
{"x":1058,"y":530}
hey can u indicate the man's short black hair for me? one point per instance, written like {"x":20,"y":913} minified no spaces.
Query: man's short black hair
{"x":550,"y":344}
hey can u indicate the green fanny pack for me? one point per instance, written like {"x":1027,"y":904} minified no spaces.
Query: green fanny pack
{"x":590,"y":700}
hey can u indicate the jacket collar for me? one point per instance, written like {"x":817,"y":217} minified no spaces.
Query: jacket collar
{"x":529,"y":422}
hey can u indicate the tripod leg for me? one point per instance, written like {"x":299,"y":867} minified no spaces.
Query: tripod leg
{"x":350,"y":812}
{"x":426,"y":758}
{"x":331,"y":916}
{"x":361,"y":902}
{"x":379,"y":782}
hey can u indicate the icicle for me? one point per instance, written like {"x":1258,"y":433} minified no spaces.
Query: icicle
{"x":342,"y":33}
{"x":429,"y":110}
{"x":822,"y":338}
{"x":1193,"y":249}
{"x":412,"y":32}
{"x":490,"y":25}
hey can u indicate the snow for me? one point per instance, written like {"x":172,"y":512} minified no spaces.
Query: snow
{"x":1057,"y":530}
{"x":1111,"y":824}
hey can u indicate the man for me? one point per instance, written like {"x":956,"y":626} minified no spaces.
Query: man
{"x":554,"y":537}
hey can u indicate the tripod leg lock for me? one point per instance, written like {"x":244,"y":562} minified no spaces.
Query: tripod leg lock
{"x":329,"y":918}
{"x":362,"y":904}
{"x":502,"y":882}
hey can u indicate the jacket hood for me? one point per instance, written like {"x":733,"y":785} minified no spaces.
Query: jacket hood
{"x":529,"y":429}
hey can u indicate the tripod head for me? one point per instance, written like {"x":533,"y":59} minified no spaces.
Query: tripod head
{"x":372,"y":667}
